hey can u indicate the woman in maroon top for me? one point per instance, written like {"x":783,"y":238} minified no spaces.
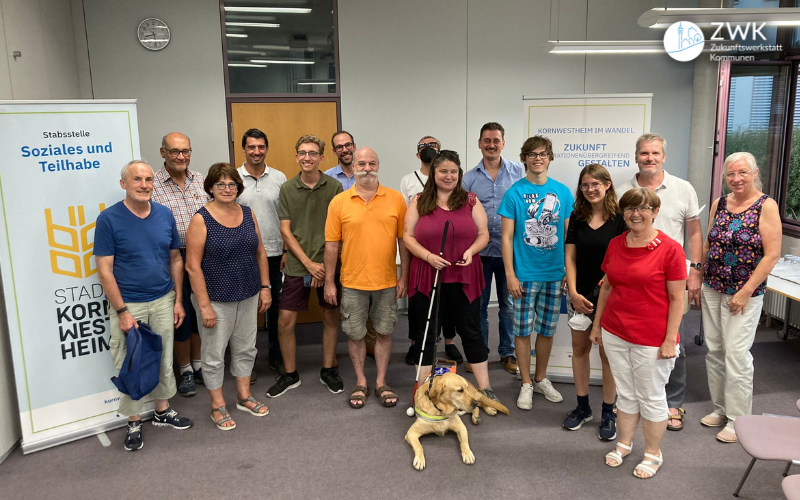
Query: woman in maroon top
{"x":442,"y":200}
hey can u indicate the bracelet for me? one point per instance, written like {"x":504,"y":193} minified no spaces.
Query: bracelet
{"x":268,"y":287}
{"x":285,"y":251}
{"x":426,"y":257}
{"x":120,"y":311}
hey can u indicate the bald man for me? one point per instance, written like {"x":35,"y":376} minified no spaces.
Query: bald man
{"x":368,"y":220}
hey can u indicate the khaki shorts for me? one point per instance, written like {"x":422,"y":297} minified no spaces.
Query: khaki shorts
{"x":356,"y":309}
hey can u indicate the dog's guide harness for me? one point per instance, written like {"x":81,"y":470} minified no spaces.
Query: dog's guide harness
{"x":426,"y":416}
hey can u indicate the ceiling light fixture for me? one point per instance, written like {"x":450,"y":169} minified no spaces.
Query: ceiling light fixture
{"x":253,"y":25}
{"x":663,"y":17}
{"x":605,"y":47}
{"x":323,"y":82}
{"x":246,"y":65}
{"x":235,"y":35}
{"x":279,"y":61}
{"x":269,"y":10}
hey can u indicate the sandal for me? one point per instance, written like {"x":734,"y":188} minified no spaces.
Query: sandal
{"x":225,"y":418}
{"x":361,"y":398}
{"x":646,"y":465}
{"x":678,"y":417}
{"x":240,"y":405}
{"x":385,"y":392}
{"x":617,"y":455}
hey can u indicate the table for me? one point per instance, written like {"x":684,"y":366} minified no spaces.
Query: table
{"x":782,"y":283}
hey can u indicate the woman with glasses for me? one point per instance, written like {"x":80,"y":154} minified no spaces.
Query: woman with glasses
{"x":743,"y":245}
{"x":638,"y":314}
{"x":595,"y":221}
{"x":461,"y":274}
{"x":227,"y":265}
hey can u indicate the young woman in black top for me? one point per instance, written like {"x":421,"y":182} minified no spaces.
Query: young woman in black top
{"x":594,"y":223}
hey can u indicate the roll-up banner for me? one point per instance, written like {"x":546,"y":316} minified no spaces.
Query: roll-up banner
{"x":60,"y":165}
{"x":586,"y":129}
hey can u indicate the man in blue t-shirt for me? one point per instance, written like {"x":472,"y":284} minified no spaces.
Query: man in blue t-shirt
{"x":137,"y":250}
{"x":535,"y":215}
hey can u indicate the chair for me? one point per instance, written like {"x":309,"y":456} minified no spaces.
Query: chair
{"x":791,"y":487}
{"x":768,"y":437}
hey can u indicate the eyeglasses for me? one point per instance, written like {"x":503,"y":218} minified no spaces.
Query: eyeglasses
{"x":641,"y":209}
{"x":743,"y":175}
{"x":542,"y":155}
{"x":221,"y":186}
{"x":174,"y":153}
{"x":594,"y":185}
{"x":310,"y":154}
{"x":423,"y":145}
{"x":341,"y":147}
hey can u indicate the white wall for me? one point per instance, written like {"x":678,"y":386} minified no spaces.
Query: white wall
{"x":180,"y":88}
{"x":466,"y":62}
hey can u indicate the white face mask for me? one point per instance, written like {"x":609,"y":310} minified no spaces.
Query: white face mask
{"x":580,"y":322}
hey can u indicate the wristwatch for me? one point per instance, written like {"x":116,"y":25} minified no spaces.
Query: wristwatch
{"x":268,"y":287}
{"x":696,"y":265}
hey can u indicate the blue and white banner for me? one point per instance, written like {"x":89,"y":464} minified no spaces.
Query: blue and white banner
{"x":60,"y":167}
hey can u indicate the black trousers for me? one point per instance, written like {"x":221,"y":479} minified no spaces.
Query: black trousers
{"x":456,"y":310}
{"x":276,"y":280}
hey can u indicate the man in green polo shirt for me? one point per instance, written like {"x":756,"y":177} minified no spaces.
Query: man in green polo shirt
{"x":303,"y":209}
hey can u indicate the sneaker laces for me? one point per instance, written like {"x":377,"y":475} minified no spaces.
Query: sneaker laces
{"x":137,"y":427}
{"x":575,"y":413}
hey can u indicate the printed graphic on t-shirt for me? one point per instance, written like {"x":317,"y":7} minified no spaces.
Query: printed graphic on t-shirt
{"x":542,"y":223}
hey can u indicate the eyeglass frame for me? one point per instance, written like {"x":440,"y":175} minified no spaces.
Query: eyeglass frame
{"x":533,"y":155}
{"x":310,"y":154}
{"x":174,"y":153}
{"x":641,"y":209}
{"x":222,"y":186}
{"x":346,"y":145}
{"x":433,"y":145}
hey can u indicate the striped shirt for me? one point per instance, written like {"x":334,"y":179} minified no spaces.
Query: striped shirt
{"x":183,"y":203}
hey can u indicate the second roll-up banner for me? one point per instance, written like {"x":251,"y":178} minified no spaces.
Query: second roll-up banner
{"x":60,"y":165}
{"x":586,"y":129}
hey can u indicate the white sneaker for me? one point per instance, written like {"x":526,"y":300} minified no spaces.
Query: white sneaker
{"x":546,"y":388}
{"x":525,"y":399}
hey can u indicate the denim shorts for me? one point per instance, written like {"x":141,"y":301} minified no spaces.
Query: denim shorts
{"x":538,"y":309}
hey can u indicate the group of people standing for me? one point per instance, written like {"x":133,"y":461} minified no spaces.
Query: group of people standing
{"x":253,"y":241}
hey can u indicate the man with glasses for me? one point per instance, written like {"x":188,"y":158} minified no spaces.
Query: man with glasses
{"x":344,"y":146}
{"x":303,"y":209}
{"x":181,"y":190}
{"x":262,"y":186}
{"x":535,"y":217}
{"x":679,"y":212}
{"x":411,"y":185}
{"x":490,"y":180}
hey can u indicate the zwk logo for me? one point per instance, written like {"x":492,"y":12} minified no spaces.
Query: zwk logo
{"x":684,"y":41}
{"x":77,"y":254}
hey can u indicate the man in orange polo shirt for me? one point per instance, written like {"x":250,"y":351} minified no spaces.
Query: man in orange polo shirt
{"x":368,"y":220}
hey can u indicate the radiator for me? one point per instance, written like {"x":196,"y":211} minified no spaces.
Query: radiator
{"x":775,"y":307}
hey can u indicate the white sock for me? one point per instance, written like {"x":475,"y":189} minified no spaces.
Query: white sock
{"x":196,"y":365}
{"x":186,"y":368}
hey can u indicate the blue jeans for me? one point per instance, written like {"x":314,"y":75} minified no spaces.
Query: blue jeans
{"x":494,"y":265}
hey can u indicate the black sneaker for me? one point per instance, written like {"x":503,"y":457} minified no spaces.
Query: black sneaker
{"x":608,"y":427}
{"x":198,"y":377}
{"x":330,"y":377}
{"x":187,"y":387}
{"x":276,"y":365}
{"x":170,"y":418}
{"x":133,"y":439}
{"x":453,"y":353}
{"x":412,"y":357}
{"x":283,"y":384}
{"x":576,"y":418}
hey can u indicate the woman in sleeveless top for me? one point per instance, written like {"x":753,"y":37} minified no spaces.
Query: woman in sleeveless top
{"x":227,"y":265}
{"x":461,"y":275}
{"x":743,"y":245}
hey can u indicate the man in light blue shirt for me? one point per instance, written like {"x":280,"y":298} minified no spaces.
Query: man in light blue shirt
{"x":344,"y":146}
{"x":490,"y":180}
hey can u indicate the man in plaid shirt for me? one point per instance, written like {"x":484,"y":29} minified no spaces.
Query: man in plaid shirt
{"x":181,"y":190}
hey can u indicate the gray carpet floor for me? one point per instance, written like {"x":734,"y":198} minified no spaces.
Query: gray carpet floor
{"x":312,"y":445}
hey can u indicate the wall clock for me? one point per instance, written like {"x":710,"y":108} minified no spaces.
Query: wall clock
{"x":153,"y":34}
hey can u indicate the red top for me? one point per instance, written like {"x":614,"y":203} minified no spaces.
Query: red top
{"x":638,"y":306}
{"x":460,"y":236}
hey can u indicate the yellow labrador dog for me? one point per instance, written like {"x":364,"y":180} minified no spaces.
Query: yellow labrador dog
{"x":437,"y":412}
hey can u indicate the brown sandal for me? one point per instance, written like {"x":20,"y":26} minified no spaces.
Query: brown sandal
{"x":385,"y":392}
{"x":678,"y":417}
{"x":361,"y":398}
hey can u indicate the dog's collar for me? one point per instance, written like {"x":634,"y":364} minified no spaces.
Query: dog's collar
{"x":431,"y":418}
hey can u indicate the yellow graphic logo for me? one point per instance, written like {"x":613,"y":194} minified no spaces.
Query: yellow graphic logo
{"x":77,"y":254}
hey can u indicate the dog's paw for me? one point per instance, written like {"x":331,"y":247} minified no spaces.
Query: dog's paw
{"x":489,"y":410}
{"x":419,"y":462}
{"x":476,"y":418}
{"x":468,"y":458}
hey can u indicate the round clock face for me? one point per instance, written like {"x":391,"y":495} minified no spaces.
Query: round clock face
{"x":153,"y":34}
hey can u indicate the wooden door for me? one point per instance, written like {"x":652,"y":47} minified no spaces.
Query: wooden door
{"x":284,"y":123}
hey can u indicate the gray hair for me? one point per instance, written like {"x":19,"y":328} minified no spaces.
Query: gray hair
{"x":438,"y":142}
{"x":125,"y":167}
{"x":750,"y":160}
{"x":652,"y":137}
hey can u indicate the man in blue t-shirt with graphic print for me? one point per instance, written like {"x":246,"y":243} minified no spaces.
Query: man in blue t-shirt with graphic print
{"x":137,"y":250}
{"x":535,"y":215}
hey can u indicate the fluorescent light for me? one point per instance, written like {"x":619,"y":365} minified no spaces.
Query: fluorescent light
{"x":236,"y":35}
{"x":663,"y":18}
{"x":246,"y":52}
{"x":605,"y":47}
{"x":253,"y":25}
{"x":279,"y":61}
{"x":269,"y":10}
{"x":282,"y":47}
{"x":246,"y":65}
{"x":326,"y":82}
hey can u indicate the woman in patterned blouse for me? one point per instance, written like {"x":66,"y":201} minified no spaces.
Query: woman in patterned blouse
{"x":743,"y":245}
